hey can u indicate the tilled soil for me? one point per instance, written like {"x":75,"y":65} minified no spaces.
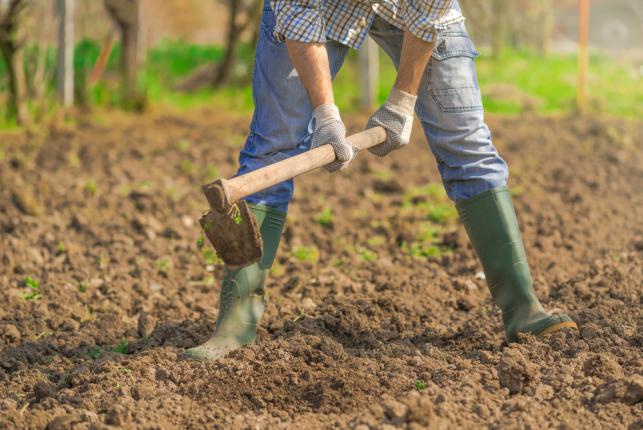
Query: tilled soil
{"x":377,"y":317}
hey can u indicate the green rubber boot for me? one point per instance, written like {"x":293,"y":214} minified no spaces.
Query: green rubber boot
{"x":242,"y":294}
{"x":490,"y":221}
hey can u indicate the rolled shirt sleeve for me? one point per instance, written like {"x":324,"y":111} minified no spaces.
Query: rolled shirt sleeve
{"x":299,"y":20}
{"x":425,"y":18}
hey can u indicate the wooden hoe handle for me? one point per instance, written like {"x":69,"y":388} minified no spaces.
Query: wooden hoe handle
{"x":229,"y":191}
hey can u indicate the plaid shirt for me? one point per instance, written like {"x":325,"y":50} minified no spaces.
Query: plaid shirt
{"x":348,"y":21}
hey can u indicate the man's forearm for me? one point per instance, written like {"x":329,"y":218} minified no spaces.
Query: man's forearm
{"x":311,"y":62}
{"x":413,"y":60}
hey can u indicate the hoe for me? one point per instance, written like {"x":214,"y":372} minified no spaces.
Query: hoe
{"x":230,"y":227}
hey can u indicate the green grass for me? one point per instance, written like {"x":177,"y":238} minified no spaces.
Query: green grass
{"x":162,"y":265}
{"x":549,"y":83}
{"x":121,"y":348}
{"x":613,"y":86}
{"x":33,"y":293}
{"x":306,"y":254}
{"x":325,"y":217}
{"x":95,"y":352}
{"x":420,"y":384}
{"x":521,"y":80}
{"x":210,"y":256}
{"x":430,"y":204}
{"x":366,"y":254}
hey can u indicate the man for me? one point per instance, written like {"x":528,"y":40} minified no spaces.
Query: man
{"x":302,"y":45}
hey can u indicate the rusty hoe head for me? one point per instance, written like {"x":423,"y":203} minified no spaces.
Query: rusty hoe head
{"x":217,"y":193}
{"x":230,"y":227}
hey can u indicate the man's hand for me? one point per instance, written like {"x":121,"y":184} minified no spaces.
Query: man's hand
{"x":396,"y":115}
{"x":311,"y":62}
{"x":329,"y":129}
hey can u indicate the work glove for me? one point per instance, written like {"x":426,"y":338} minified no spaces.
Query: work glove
{"x":396,"y":117}
{"x":329,"y":129}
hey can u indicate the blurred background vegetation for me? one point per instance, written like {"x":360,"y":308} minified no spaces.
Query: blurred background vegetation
{"x":182,"y":54}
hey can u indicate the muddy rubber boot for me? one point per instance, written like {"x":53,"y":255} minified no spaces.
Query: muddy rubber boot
{"x":490,"y":221}
{"x":241,"y":303}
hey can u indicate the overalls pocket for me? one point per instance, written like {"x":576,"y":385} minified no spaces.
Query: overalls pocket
{"x":452,"y":74}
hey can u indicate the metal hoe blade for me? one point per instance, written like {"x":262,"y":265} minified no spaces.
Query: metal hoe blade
{"x":234,"y":234}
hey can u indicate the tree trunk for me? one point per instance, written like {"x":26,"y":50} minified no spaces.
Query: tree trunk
{"x":129,"y":61}
{"x":223,"y":72}
{"x":126,"y":15}
{"x":9,"y":48}
{"x":12,"y":85}
{"x":235,"y":31}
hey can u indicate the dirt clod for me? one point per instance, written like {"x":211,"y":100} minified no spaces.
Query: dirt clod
{"x":43,"y":390}
{"x":515,"y":372}
{"x":626,"y":390}
{"x":603,"y":366}
{"x":10,"y":332}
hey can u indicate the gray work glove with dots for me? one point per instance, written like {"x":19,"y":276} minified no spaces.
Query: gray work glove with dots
{"x":329,"y":129}
{"x":396,"y":117}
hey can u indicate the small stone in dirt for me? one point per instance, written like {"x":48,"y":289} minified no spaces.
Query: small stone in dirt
{"x":44,"y":389}
{"x":515,"y":372}
{"x":10,"y":332}
{"x":308,"y":304}
{"x":187,"y":221}
{"x":627,"y":390}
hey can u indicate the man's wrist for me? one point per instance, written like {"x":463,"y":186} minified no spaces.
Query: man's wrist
{"x":401,"y":101}
{"x":326,"y":112}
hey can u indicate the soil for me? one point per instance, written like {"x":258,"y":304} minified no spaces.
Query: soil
{"x":104,"y":281}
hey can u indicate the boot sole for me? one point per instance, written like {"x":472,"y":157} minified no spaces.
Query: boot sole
{"x":193,"y":357}
{"x":189,"y":356}
{"x":556,"y":327}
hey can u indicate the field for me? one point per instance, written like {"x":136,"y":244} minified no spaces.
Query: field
{"x":377,"y":314}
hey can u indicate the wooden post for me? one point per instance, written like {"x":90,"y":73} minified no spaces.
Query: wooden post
{"x":583,"y":33}
{"x":369,"y":72}
{"x":65,"y":67}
